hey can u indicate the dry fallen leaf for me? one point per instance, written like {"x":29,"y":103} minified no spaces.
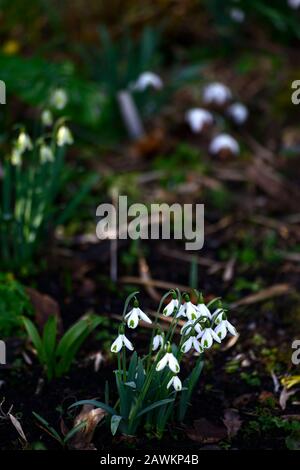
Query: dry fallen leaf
{"x":44,"y":306}
{"x":265,"y":294}
{"x":16,"y":423}
{"x":284,"y":396}
{"x":205,"y":431}
{"x":232,"y":422}
{"x":92,"y":417}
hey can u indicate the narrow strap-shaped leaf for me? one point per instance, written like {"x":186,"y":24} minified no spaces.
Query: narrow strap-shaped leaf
{"x":155,"y":405}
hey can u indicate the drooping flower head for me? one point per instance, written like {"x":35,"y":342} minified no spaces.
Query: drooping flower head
{"x":168,"y":360}
{"x":224,"y":143}
{"x":238,"y":113}
{"x":64,"y":136}
{"x":146,"y":80}
{"x":176,"y":382}
{"x":198,"y":118}
{"x":132,"y":318}
{"x":172,"y":306}
{"x":216,"y":94}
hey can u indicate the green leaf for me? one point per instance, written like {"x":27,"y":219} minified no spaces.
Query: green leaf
{"x":155,"y":405}
{"x":114,"y":423}
{"x":49,"y":428}
{"x":74,"y":430}
{"x":35,"y":337}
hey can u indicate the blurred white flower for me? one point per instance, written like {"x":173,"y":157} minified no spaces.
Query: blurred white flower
{"x":238,"y":113}
{"x":216,"y":93}
{"x":294,"y":4}
{"x":176,"y":382}
{"x":46,"y":154}
{"x":59,"y":98}
{"x":134,"y":316}
{"x":147,"y":79}
{"x":224,"y":142}
{"x":207,"y":336}
{"x":192,"y":341}
{"x":170,"y":308}
{"x":222,"y":328}
{"x":237,"y":15}
{"x":64,"y":136}
{"x":187,"y":327}
{"x":119,"y":342}
{"x":16,"y":157}
{"x":24,"y":142}
{"x":158,"y":341}
{"x":203,"y":310}
{"x":197,"y":118}
{"x":170,"y":360}
{"x":47,"y":118}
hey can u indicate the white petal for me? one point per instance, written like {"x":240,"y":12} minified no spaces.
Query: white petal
{"x":181,"y":311}
{"x":170,"y":382}
{"x":196,"y":345}
{"x":224,"y":142}
{"x":206,"y":340}
{"x":162,"y":363}
{"x":157,"y":341}
{"x":191,"y":311}
{"x":214,"y":336}
{"x":117,"y":344}
{"x":231,"y":328}
{"x":203,"y":310}
{"x":197,"y":118}
{"x":221,"y":331}
{"x":143,"y":316}
{"x":173,"y":363}
{"x":216,"y":93}
{"x":187,"y":345}
{"x":127,"y":343}
{"x":177,"y":384}
{"x":169,"y":309}
{"x":133,"y":318}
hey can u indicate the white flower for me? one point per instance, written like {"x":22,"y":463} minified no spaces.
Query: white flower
{"x":238,"y":113}
{"x":16,"y":157}
{"x":134,"y":316}
{"x":237,"y":15}
{"x":46,"y":154}
{"x":171,"y":307}
{"x":294,"y":4}
{"x":192,"y":341}
{"x":24,"y":142}
{"x":222,"y":327}
{"x":216,"y":93}
{"x":158,"y":341}
{"x":147,"y":79}
{"x":64,"y":136}
{"x":170,"y":360}
{"x":187,"y":327}
{"x":59,"y":98}
{"x":176,"y":382}
{"x":119,"y":342}
{"x":191,"y":311}
{"x":203,"y":311}
{"x":207,"y":336}
{"x":224,"y":142}
{"x":197,"y":118}
{"x":47,"y":118}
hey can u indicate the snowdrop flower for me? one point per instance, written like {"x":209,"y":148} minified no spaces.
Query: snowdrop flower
{"x":176,"y":382}
{"x":134,"y":316}
{"x":24,"y":142}
{"x":146,"y":80}
{"x":207,"y":336}
{"x":238,"y":113}
{"x":237,"y":15}
{"x":16,"y":157}
{"x":158,"y":342}
{"x":192,"y":341}
{"x":294,"y":4}
{"x":224,"y":142}
{"x":187,"y":327}
{"x":46,"y":154}
{"x":119,"y":342}
{"x":59,"y":98}
{"x":197,"y":118}
{"x":216,"y":93}
{"x":171,"y":307}
{"x":47,"y":118}
{"x":64,"y":136}
{"x":202,"y":309}
{"x":170,"y":360}
{"x":223,"y":325}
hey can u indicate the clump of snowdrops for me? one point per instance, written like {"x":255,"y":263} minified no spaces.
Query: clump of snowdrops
{"x":153,"y":389}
